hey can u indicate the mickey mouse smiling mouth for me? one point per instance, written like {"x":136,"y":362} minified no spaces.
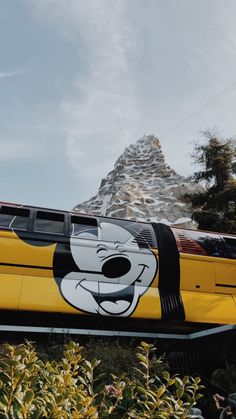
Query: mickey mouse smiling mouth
{"x":119,"y":300}
{"x":111,"y":278}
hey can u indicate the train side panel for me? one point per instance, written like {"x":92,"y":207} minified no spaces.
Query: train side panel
{"x":208,"y":277}
{"x":119,"y":268}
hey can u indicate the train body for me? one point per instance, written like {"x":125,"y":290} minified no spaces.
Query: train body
{"x":65,"y":262}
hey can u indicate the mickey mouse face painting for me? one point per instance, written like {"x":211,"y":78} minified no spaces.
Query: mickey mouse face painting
{"x":111,"y":275}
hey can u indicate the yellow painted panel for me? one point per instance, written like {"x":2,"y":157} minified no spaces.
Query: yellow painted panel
{"x":226,"y":274}
{"x":234,"y":297}
{"x":196,"y":274}
{"x":42,"y":294}
{"x":16,"y":251}
{"x":10,"y":287}
{"x":149,"y":306}
{"x":209,"y":307}
{"x":192,"y":256}
{"x":156,"y":279}
{"x":19,"y":270}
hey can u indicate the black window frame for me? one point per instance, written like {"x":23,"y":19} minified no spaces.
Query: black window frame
{"x":53,"y":215}
{"x":11,"y":210}
{"x":85,"y":220}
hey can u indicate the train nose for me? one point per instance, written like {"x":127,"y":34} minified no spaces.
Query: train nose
{"x":116,"y":267}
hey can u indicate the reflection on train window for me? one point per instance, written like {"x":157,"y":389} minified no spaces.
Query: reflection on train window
{"x":214,"y":245}
{"x":115,"y":231}
{"x":49,"y":222}
{"x":84,"y":227}
{"x":15,"y":218}
{"x":231,"y":246}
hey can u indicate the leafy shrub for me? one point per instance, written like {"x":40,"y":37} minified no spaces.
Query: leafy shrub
{"x":114,"y":356}
{"x":70,"y":387}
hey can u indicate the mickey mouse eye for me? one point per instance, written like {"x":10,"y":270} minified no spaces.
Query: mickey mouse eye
{"x":101,"y":249}
{"x":120,"y":248}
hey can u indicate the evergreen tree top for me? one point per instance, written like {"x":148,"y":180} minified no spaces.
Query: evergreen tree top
{"x":215,"y":208}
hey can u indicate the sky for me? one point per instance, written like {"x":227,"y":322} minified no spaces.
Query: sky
{"x":82,"y":79}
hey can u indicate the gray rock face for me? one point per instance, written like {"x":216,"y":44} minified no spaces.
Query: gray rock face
{"x":142,"y":186}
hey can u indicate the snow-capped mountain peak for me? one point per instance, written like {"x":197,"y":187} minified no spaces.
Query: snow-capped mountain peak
{"x":142,"y":186}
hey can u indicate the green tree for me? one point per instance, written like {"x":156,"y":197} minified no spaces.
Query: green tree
{"x":215,"y":208}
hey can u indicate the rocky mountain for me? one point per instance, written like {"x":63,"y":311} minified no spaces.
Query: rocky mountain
{"x":142,"y":186}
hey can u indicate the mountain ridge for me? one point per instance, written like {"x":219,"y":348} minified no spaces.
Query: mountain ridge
{"x":142,"y":186}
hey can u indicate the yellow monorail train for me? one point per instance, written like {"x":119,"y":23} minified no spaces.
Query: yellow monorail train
{"x":65,"y":262}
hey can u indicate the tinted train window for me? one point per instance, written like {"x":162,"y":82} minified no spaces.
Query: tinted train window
{"x":84,"y":227}
{"x":213,"y":244}
{"x":15,"y":218}
{"x":49,"y":222}
{"x":231,"y":246}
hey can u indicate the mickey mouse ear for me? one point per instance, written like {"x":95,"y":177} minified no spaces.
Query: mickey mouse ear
{"x":85,"y":235}
{"x":114,"y":233}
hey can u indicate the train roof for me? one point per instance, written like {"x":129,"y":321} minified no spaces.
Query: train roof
{"x":73,"y":212}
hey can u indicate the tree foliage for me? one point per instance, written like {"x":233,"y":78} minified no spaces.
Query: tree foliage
{"x":215,"y":208}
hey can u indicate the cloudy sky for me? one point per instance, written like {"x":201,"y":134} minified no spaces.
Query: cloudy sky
{"x":81,"y":79}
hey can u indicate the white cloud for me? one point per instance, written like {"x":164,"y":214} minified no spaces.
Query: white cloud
{"x":227,"y":24}
{"x":146,"y":65}
{"x":14,"y":150}
{"x":9,"y":74}
{"x":105,"y":116}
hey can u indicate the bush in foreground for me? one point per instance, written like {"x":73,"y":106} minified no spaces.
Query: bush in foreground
{"x":70,"y":388}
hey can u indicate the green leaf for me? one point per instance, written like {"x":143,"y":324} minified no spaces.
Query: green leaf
{"x":151,"y":396}
{"x":82,"y":380}
{"x":3,"y":365}
{"x":171,"y":381}
{"x":197,"y":380}
{"x":95,"y":363}
{"x":178,"y":382}
{"x":5,"y":378}
{"x":89,"y":376}
{"x":185,"y":379}
{"x":3,"y":399}
{"x":199,"y":396}
{"x":17,"y":404}
{"x":180,"y":392}
{"x":160,"y":391}
{"x":142,"y":358}
{"x":166,"y":375}
{"x":88,"y":364}
{"x":29,"y":396}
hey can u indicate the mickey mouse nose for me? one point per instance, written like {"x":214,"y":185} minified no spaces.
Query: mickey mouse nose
{"x":115,"y":267}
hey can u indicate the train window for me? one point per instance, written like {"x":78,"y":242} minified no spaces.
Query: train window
{"x":84,"y":227}
{"x":213,"y":244}
{"x":15,"y":218}
{"x":231,"y":246}
{"x":49,"y":222}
